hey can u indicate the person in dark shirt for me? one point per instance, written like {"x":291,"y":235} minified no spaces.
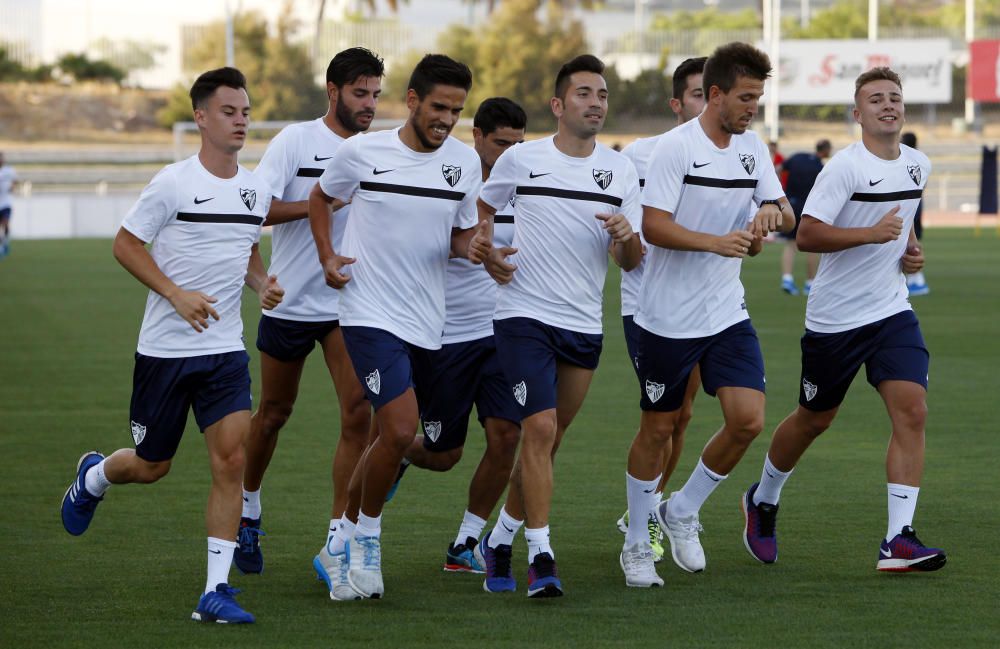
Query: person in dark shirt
{"x":800,"y":170}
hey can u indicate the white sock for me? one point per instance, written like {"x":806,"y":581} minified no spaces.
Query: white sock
{"x":787,"y":278}
{"x":916,"y":278}
{"x":538,"y":542}
{"x":251,"y":504}
{"x":808,"y":284}
{"x":695,"y":491}
{"x":220,"y":557}
{"x":471,"y":525}
{"x":369,"y":525}
{"x":641,"y":495}
{"x":341,"y":536}
{"x":902,"y":505}
{"x":505,"y":529}
{"x":771,"y":482}
{"x":94,"y":481}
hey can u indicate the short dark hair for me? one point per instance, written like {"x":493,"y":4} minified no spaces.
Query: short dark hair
{"x":729,"y":62}
{"x":499,"y":112}
{"x":438,"y":69}
{"x":206,"y":85}
{"x":823,"y":145}
{"x":688,"y":68}
{"x":353,"y":63}
{"x":582,"y":63}
{"x":909,"y":139}
{"x":876,"y":74}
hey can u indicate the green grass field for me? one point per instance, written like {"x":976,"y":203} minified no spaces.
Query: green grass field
{"x":69,"y":317}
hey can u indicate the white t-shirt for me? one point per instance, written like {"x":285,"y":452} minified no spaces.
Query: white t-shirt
{"x":7,"y":178}
{"x":292,"y":164}
{"x":404,"y":205}
{"x":689,"y":294}
{"x":202,"y":228}
{"x":861,"y":285}
{"x":562,"y":247}
{"x":470,"y":292}
{"x":639,"y":152}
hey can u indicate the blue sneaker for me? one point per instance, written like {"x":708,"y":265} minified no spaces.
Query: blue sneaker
{"x":248,"y":558}
{"x":462,"y":558}
{"x":496,"y":561}
{"x":905,"y":553}
{"x":220,"y":606}
{"x":918,"y":288}
{"x":542,"y":578}
{"x":788,"y":286}
{"x":78,"y":504}
{"x":807,"y":287}
{"x":395,"y":485}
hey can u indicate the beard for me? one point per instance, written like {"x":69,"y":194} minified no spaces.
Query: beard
{"x":349,"y":119}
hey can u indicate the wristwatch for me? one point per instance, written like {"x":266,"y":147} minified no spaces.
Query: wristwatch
{"x":770,"y":202}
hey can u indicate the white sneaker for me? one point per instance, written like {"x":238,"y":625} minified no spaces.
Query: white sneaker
{"x":365,"y":571}
{"x":685,"y":548}
{"x":637,"y":564}
{"x":332,"y":568}
{"x":622,"y":523}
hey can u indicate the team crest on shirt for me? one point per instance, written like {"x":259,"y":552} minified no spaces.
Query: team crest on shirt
{"x":748,"y":161}
{"x":249,"y":197}
{"x":809,"y":389}
{"x":602,"y":177}
{"x":521,"y":393}
{"x":138,"y":432}
{"x":432,"y":429}
{"x":451,"y":174}
{"x":914,"y":173}
{"x":374,"y":382}
{"x":654,"y":390}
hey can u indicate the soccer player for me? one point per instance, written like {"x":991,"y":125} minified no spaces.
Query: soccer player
{"x":687,"y":103}
{"x":412,"y":192}
{"x":466,"y":370}
{"x":573,"y":202}
{"x":7,"y":179}
{"x":801,"y":169}
{"x":286,"y":335}
{"x":859,"y":216}
{"x":203,"y":216}
{"x":698,"y":223}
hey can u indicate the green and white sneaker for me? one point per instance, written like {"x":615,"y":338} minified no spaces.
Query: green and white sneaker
{"x":655,"y":534}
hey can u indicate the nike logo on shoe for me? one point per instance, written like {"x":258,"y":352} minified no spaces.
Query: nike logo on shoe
{"x":898,"y":496}
{"x":319,"y":159}
{"x":532,"y":174}
{"x":379,"y":172}
{"x":198,"y":201}
{"x":872,"y":183}
{"x":885,"y":553}
{"x":703,"y":164}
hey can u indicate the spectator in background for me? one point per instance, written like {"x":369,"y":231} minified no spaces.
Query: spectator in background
{"x":800,"y":173}
{"x":916,"y":284}
{"x":778,"y":160}
{"x":7,"y":179}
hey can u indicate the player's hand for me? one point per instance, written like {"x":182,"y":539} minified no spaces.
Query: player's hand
{"x":912,"y":260}
{"x":332,"y":271}
{"x":497,"y":265}
{"x":734,"y":244}
{"x":888,"y":229}
{"x":617,"y":226}
{"x":271,"y":293}
{"x":767,"y":220}
{"x":195,"y":307}
{"x":480,"y":245}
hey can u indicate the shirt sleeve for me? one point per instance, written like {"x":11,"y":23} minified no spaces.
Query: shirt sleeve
{"x":834,"y":187}
{"x":467,"y":215}
{"x":341,"y":178}
{"x":500,"y":186}
{"x":665,"y":175}
{"x":278,"y":165}
{"x":156,"y":206}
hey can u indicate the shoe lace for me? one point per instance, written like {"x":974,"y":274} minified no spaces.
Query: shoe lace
{"x":767,"y":516}
{"x":544,"y":565}
{"x":501,"y":560}
{"x":372,"y":552}
{"x":248,"y":538}
{"x":655,"y":533}
{"x":226,"y":591}
{"x":690,"y":528}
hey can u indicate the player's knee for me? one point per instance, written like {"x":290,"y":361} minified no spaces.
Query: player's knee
{"x":747,"y":426}
{"x":229,"y":461}
{"x":354,"y":423}
{"x":149,"y":472}
{"x":445,"y":460}
{"x":273,"y":416}
{"x":814,"y":424}
{"x":683,"y":419}
{"x":657,"y":430}
{"x":912,"y":416}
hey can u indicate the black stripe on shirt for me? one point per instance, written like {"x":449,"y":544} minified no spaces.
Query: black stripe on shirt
{"x":865,"y":197}
{"x":308,"y":172}
{"x":409,"y":190}
{"x":569,"y":193}
{"x":721,"y":183}
{"x":504,"y":218}
{"x":199,"y":217}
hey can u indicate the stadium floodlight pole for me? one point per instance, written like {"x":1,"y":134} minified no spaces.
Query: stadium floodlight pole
{"x":873,"y":20}
{"x":230,"y":46}
{"x":772,"y":41}
{"x":804,"y":13}
{"x":766,"y":22}
{"x":970,"y":35}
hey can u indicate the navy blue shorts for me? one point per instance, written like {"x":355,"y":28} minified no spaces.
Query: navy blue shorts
{"x":386,"y":365}
{"x":529,"y":351}
{"x":892,"y":349}
{"x":5,"y":214}
{"x":464,"y":374}
{"x":632,"y":341}
{"x":164,"y":389}
{"x":291,"y":340}
{"x":728,"y":359}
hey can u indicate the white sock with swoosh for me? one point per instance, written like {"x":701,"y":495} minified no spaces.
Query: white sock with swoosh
{"x":902,"y":505}
{"x":220,"y":558}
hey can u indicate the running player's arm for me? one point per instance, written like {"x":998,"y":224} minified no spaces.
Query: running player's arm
{"x":266,"y":287}
{"x":912,"y":260}
{"x":626,"y":248}
{"x":287,"y":211}
{"x":769,"y":217}
{"x":341,"y":179}
{"x":466,"y":220}
{"x":497,"y":190}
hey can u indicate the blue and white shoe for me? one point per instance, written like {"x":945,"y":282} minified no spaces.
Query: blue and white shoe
{"x":220,"y":606}
{"x":395,"y":485}
{"x":462,"y":558}
{"x":918,"y":288}
{"x":248,"y":558}
{"x":496,"y":561}
{"x":332,"y":567}
{"x":78,"y":504}
{"x":543,"y":579}
{"x":365,"y":566}
{"x":788,"y":286}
